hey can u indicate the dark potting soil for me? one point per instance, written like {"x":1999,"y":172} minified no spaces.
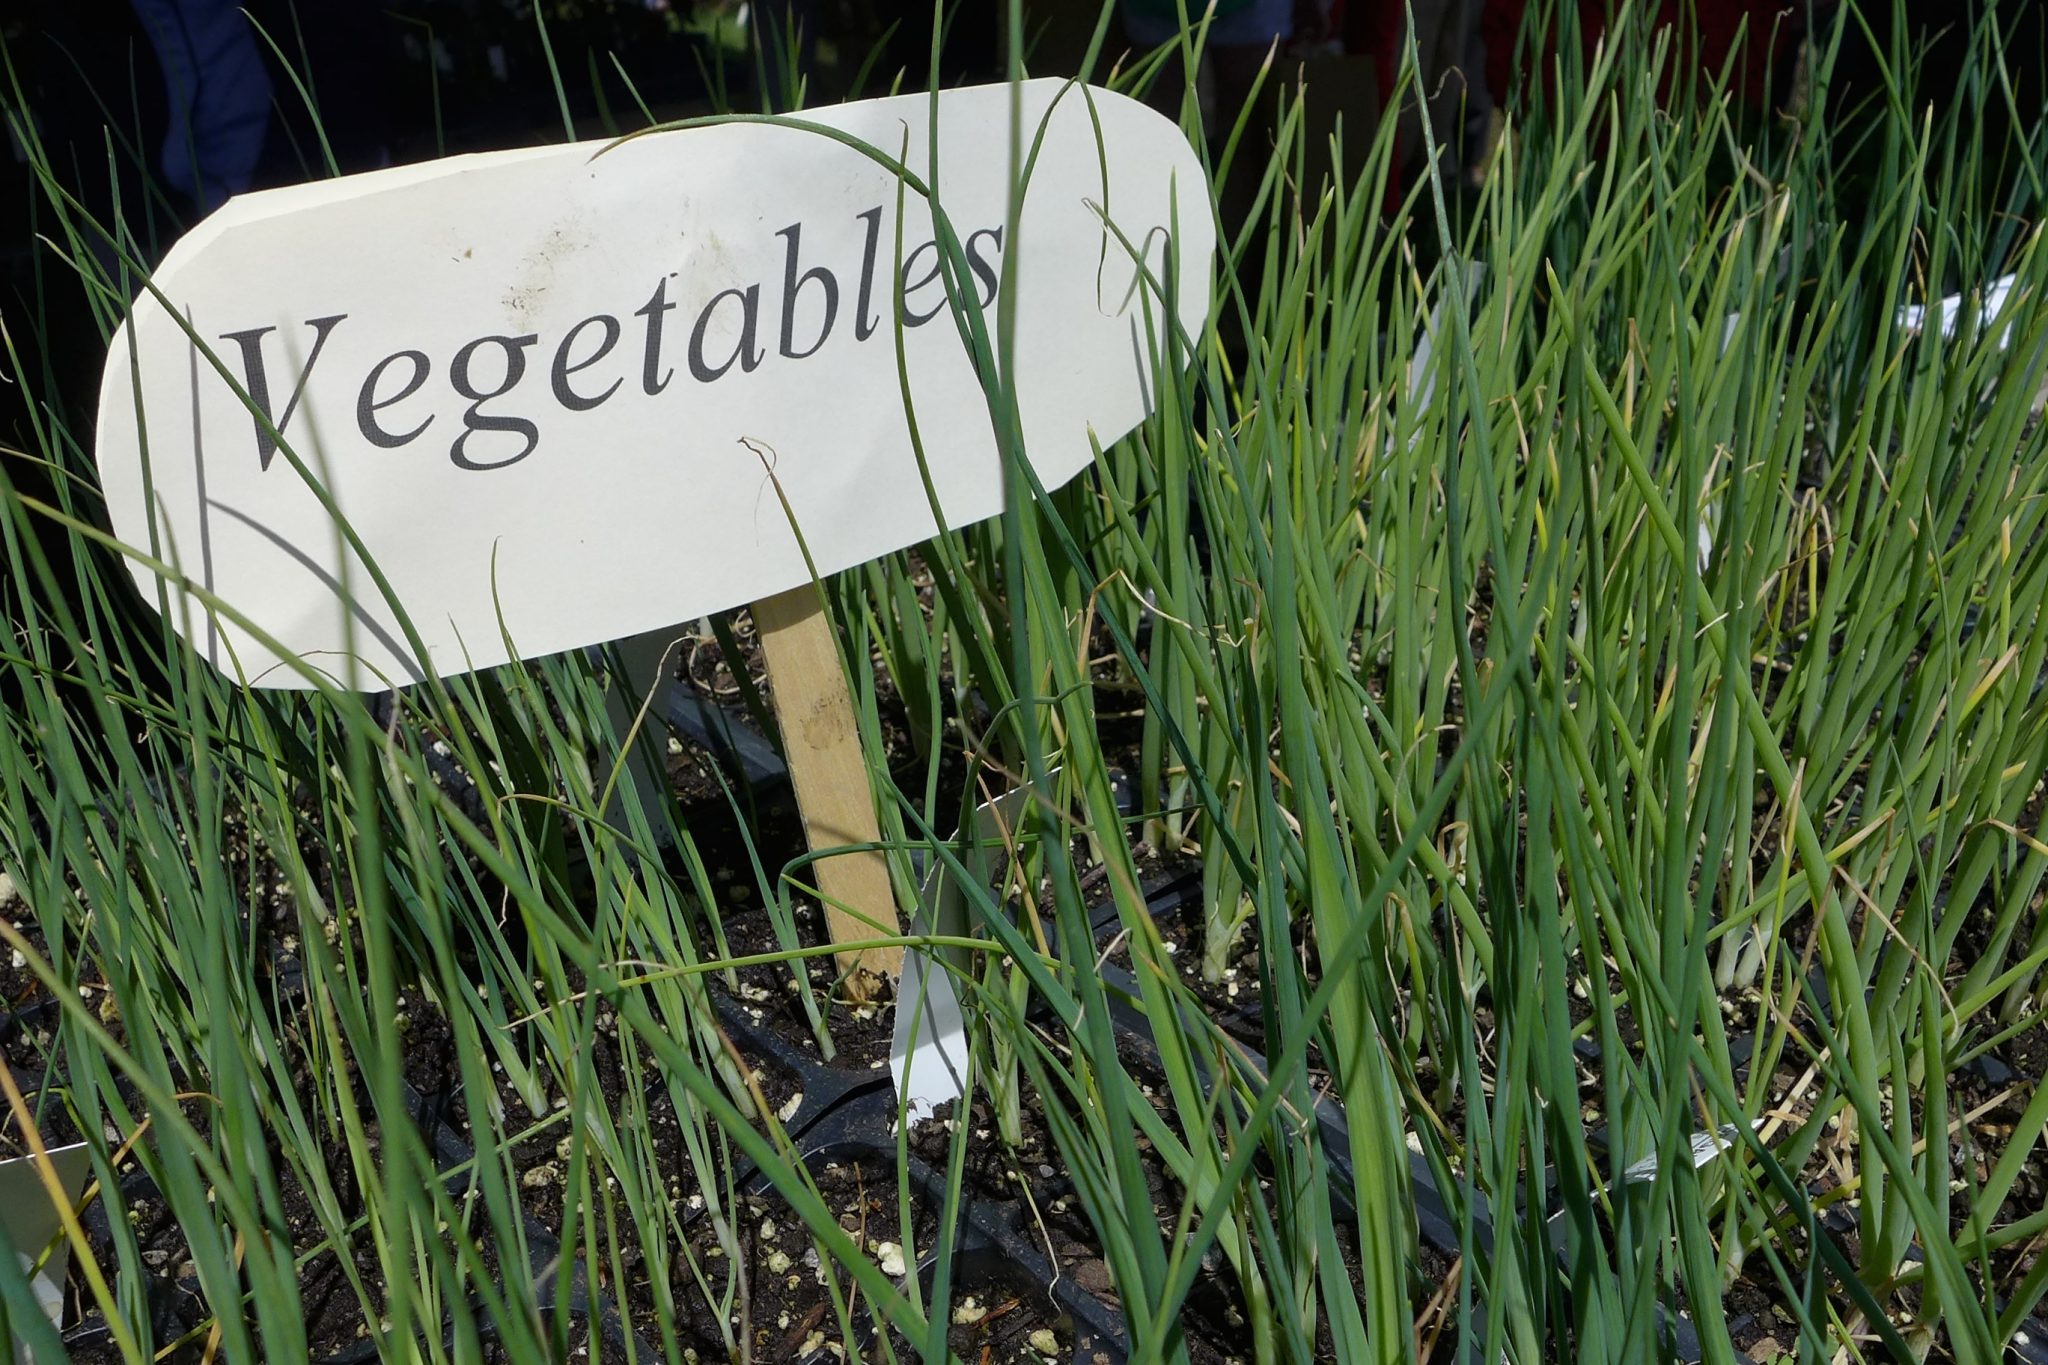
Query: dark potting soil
{"x":333,"y":1314}
{"x":1028,"y":1182}
{"x":28,"y":1028}
{"x":860,"y":1032}
{"x":1233,"y":999}
{"x":1757,"y":1324}
{"x":341,"y":1303}
{"x":1026,"y":1186}
{"x":780,"y":1299}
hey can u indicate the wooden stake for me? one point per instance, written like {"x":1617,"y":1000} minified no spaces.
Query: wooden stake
{"x":814,"y":710}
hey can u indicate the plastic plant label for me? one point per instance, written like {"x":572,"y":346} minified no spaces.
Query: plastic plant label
{"x":1703,"y":1147}
{"x":32,"y":1224}
{"x":1913,"y":316}
{"x":560,"y":395}
{"x":928,"y":1055}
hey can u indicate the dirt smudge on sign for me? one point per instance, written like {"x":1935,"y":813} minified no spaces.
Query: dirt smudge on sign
{"x":527,"y":295}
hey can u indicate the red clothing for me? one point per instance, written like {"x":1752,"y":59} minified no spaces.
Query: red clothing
{"x":1375,"y":26}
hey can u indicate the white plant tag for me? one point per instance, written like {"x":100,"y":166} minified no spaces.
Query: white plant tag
{"x":1913,"y":316}
{"x":547,"y":388}
{"x":1421,"y":373}
{"x":1704,"y":1147}
{"x":33,"y":1223}
{"x":929,"y":1055}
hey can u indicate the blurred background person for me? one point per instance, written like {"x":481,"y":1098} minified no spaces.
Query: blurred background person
{"x":218,"y":94}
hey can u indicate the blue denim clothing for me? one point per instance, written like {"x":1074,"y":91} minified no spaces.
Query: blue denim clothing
{"x":1253,"y":24}
{"x":219,"y":94}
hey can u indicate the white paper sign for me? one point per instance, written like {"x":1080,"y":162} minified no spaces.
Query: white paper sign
{"x":541,"y":385}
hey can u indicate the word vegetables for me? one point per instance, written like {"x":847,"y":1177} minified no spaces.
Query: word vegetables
{"x":726,"y":334}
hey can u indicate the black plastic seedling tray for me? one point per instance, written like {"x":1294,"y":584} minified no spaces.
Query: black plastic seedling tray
{"x":1436,"y":1223}
{"x":177,"y":1306}
{"x":1434,"y":1219}
{"x":848,"y":1114}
